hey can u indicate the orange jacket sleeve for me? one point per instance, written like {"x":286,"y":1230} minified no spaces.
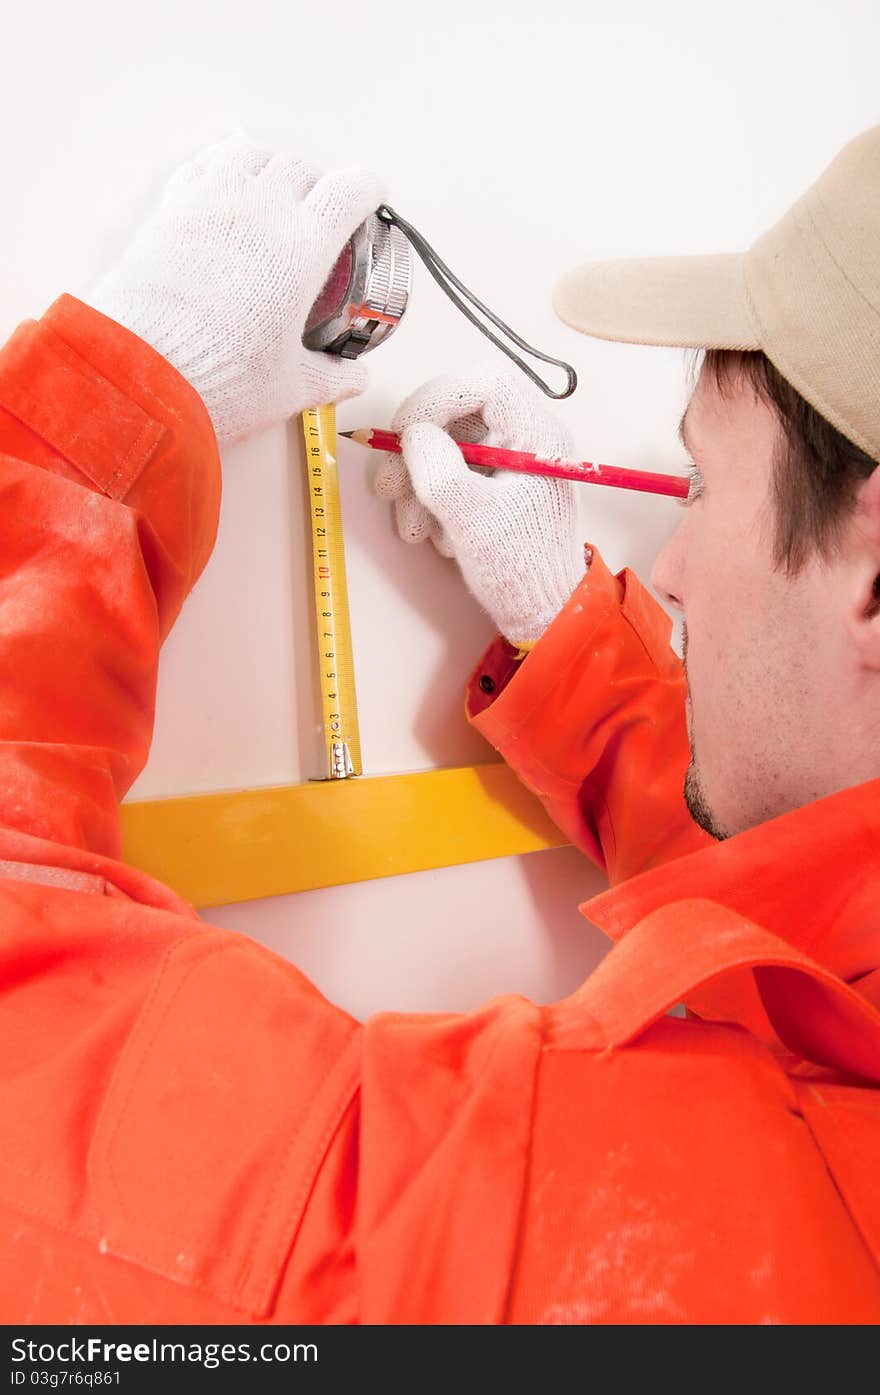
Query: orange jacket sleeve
{"x":110,"y":485}
{"x":593,"y":721}
{"x":170,"y":1090}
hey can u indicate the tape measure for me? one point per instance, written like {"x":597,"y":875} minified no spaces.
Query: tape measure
{"x":339,"y":721}
{"x":360,"y":305}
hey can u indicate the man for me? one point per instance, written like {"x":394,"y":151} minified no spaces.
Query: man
{"x":192,"y":1133}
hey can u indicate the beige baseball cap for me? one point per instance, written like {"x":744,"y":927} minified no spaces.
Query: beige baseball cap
{"x":807,"y":292}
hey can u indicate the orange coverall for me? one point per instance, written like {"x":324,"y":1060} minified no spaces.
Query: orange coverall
{"x":191,"y":1132}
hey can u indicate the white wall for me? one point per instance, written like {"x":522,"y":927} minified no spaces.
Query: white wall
{"x":522,"y":139}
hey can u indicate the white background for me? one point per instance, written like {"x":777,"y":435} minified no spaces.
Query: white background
{"x":522,"y":139}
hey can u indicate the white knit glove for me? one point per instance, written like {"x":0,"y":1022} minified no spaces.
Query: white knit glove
{"x":221,"y":278}
{"x":515,"y":537}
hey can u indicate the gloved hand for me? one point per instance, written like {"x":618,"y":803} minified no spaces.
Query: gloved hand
{"x":515,"y":537}
{"x":221,"y":278}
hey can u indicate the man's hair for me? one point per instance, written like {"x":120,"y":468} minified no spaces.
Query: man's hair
{"x":816,"y":469}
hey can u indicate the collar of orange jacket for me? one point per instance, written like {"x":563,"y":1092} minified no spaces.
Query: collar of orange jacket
{"x":811,"y":876}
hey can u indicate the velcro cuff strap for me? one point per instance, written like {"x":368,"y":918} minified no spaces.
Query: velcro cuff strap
{"x":62,"y":398}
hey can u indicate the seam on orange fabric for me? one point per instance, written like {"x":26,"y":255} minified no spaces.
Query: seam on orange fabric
{"x":88,"y":1238}
{"x":564,"y":672}
{"x":24,"y":400}
{"x":632,"y":612}
{"x":136,"y":458}
{"x":145,"y":1260}
{"x":58,"y":354}
{"x":39,"y":1213}
{"x":128,"y":1060}
{"x":45,"y":1172}
{"x":541,"y":696}
{"x":513,"y":1266}
{"x":609,"y":824}
{"x":148,"y":1261}
{"x":701,"y":953}
{"x":496,"y":1045}
{"x":854,"y":1221}
{"x":159,"y":382}
{"x":512,"y":733}
{"x":260,"y":1300}
{"x":573,"y":1016}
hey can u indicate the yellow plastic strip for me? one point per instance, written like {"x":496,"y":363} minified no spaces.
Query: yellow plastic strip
{"x":237,"y":846}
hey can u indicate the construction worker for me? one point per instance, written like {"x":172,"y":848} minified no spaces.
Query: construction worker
{"x":191,"y":1132}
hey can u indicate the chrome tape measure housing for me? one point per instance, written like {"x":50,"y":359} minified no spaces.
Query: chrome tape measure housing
{"x":364,"y":298}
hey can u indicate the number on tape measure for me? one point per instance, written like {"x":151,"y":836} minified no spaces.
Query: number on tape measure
{"x":339,"y":720}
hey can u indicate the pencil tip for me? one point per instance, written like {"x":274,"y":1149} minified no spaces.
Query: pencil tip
{"x":347,"y":434}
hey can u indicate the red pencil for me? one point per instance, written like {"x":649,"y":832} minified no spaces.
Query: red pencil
{"x":645,"y":480}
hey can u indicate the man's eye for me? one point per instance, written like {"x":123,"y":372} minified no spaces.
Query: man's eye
{"x":695,"y":486}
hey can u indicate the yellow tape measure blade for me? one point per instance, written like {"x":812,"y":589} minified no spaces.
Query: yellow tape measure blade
{"x":339,"y":720}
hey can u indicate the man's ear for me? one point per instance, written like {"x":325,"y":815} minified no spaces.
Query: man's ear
{"x":865,"y":593}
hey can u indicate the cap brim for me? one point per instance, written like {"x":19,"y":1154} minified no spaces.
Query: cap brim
{"x":689,"y":302}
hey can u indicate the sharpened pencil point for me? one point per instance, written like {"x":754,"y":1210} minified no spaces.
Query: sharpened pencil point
{"x":347,"y":434}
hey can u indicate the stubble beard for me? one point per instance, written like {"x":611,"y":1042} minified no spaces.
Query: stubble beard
{"x":698,"y":807}
{"x":694,"y":794}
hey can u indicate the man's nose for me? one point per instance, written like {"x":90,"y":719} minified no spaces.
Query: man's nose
{"x":667,"y":574}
